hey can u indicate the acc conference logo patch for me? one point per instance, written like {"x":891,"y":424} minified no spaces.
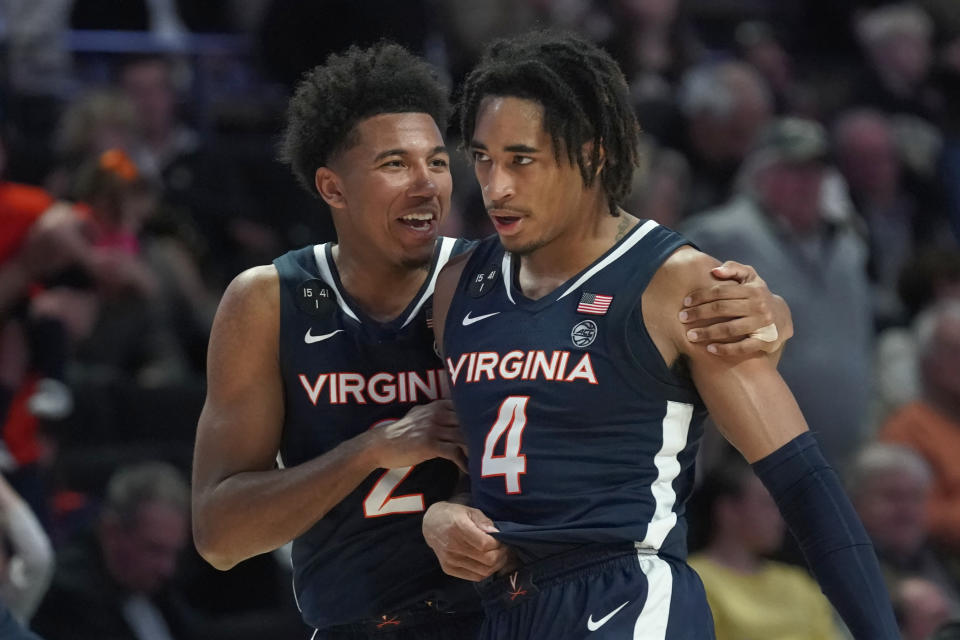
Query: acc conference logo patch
{"x":584,"y":333}
{"x":482,"y":282}
{"x":315,"y":297}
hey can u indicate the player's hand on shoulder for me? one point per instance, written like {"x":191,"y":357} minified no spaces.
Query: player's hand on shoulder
{"x":460,"y":536}
{"x":737,"y":314}
{"x":427,"y":431}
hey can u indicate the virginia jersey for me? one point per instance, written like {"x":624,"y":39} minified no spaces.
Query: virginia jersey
{"x":578,"y":431}
{"x":344,"y":373}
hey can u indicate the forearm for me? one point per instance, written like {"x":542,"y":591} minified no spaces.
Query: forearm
{"x":830,"y":534}
{"x":254,"y":512}
{"x":29,"y":541}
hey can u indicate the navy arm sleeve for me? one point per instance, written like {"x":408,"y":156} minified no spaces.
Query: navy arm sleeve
{"x":831,"y":536}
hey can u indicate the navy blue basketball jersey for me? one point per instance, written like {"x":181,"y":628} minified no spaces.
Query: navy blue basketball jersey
{"x":344,"y":373}
{"x":578,"y":431}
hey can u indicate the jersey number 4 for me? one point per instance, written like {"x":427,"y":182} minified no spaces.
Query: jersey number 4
{"x":511,"y":420}
{"x":381,"y":501}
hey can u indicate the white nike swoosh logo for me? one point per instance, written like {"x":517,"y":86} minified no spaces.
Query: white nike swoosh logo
{"x":467,"y":320}
{"x":593,"y":626}
{"x":309,"y":339}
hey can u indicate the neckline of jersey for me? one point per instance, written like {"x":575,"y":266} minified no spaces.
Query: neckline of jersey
{"x":395,"y":325}
{"x":511,"y":278}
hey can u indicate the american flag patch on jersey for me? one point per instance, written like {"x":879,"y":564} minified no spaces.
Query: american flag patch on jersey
{"x":594,"y":303}
{"x":429,"y":314}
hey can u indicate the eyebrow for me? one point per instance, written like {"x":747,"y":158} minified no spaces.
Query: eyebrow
{"x":514,"y":148}
{"x":402,"y":152}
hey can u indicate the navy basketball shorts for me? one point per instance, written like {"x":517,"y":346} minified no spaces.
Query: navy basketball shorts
{"x":598,"y":593}
{"x":415,"y":624}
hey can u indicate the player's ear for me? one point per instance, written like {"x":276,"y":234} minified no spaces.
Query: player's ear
{"x":330,"y":187}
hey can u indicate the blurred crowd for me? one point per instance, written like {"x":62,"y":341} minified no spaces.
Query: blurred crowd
{"x":817,"y":141}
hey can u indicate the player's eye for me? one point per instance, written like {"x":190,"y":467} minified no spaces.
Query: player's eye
{"x":480,"y":156}
{"x":393,"y":163}
{"x":522,"y":160}
{"x":439,"y":162}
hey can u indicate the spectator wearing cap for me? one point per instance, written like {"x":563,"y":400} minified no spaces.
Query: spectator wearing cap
{"x":790,"y":218}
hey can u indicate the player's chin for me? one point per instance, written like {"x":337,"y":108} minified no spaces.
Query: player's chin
{"x":417,"y":257}
{"x":519,"y":246}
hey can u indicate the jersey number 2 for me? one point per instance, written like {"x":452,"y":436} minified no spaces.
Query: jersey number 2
{"x":511,"y":419}
{"x":381,"y":502}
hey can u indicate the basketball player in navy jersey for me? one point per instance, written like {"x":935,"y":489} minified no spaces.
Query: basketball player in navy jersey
{"x":327,"y":357}
{"x":581,"y":398}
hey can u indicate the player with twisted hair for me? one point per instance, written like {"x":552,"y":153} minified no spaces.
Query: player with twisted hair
{"x":580,"y":396}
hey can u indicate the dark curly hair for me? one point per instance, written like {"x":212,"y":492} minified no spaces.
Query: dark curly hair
{"x":349,"y":87}
{"x":584,"y":96}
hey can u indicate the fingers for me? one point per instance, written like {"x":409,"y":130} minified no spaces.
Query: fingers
{"x":442,"y":412}
{"x":732,"y":270}
{"x":724,"y":331}
{"x":455,"y":533}
{"x":743,"y":347}
{"x":477,"y":567}
{"x":736,"y":308}
{"x":725,"y":291}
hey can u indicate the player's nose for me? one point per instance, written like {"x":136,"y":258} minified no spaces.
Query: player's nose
{"x":499,"y":186}
{"x":424,"y":183}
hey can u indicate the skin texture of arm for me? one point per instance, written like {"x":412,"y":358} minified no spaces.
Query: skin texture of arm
{"x":745,"y":395}
{"x":242,"y":504}
{"x":738,"y":303}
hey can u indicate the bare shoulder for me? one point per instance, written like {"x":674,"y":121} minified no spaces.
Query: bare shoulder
{"x":255,"y":285}
{"x":249,"y":312}
{"x":443,"y":291}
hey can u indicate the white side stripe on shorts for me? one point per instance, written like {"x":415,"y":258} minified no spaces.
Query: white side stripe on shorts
{"x":652,"y":623}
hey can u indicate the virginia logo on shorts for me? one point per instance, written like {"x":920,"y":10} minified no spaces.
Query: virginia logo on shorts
{"x":584,"y":333}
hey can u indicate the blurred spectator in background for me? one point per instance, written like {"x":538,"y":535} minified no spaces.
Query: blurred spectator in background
{"x":931,"y":425}
{"x":661,"y":186}
{"x":921,"y":608}
{"x":119,"y":581}
{"x":148,"y":83}
{"x":890,"y":488}
{"x":930,"y":276}
{"x":760,"y":46}
{"x":115,"y":583}
{"x":867,"y":154}
{"x":132,"y":335}
{"x":815,"y":256}
{"x":39,"y":238}
{"x":723,"y":106}
{"x":654,"y":43}
{"x":897,"y":44}
{"x":98,"y":120}
{"x":737,"y":524}
{"x":26,"y":557}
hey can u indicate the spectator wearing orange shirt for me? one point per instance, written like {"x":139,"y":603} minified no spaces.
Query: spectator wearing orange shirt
{"x":931,"y":426}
